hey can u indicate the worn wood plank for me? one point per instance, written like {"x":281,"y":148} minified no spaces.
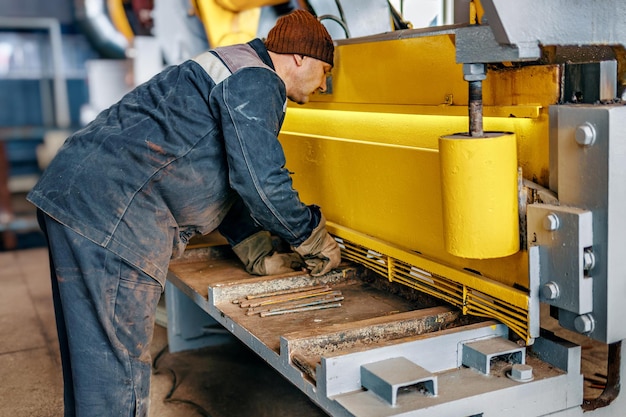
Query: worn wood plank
{"x":199,"y":275}
{"x":372,"y":330}
{"x":361,"y":302}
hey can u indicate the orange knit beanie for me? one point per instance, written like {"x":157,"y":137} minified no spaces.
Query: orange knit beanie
{"x":300,"y":32}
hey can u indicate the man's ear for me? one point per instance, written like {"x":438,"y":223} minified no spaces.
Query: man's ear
{"x":298,"y":59}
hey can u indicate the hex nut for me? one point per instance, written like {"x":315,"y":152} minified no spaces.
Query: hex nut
{"x":584,"y":323}
{"x":551,"y":222}
{"x":589,"y":260}
{"x":521,"y":373}
{"x":585,"y":134}
{"x":474,"y":72}
{"x":550,"y":291}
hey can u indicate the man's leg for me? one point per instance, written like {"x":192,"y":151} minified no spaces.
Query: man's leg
{"x":108,"y":308}
{"x":68,"y":384}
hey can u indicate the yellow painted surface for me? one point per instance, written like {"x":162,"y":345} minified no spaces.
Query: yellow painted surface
{"x":479,"y":194}
{"x":422,"y":70}
{"x":419,"y":76}
{"x":226,"y":27}
{"x":388,"y":191}
{"x":240,"y":5}
{"x":389,"y":72}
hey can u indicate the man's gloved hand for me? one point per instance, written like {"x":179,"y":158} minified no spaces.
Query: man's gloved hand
{"x":258,"y":255}
{"x":320,"y":251}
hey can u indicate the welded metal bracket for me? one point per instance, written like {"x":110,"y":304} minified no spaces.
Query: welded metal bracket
{"x":479,"y":354}
{"x":386,"y":377}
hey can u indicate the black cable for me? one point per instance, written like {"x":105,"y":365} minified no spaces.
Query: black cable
{"x":169,"y":396}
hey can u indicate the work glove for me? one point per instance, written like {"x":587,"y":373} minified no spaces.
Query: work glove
{"x":258,"y":256}
{"x":320,"y":251}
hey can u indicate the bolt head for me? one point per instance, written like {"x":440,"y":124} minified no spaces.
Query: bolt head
{"x":521,"y":373}
{"x":474,"y":72}
{"x":585,"y":134}
{"x":584,"y":323}
{"x":551,"y":222}
{"x":589,"y":260}
{"x":550,"y":291}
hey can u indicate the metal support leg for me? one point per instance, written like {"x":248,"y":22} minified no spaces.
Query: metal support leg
{"x":188,"y":326}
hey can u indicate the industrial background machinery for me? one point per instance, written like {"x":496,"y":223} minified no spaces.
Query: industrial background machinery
{"x":471,"y":172}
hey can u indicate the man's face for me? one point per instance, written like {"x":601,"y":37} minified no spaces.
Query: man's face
{"x":309,"y":77}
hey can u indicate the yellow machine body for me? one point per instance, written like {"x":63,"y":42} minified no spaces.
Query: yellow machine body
{"x":368,"y":154}
{"x":228,"y":22}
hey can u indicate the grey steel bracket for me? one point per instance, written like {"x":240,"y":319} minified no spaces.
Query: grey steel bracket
{"x":555,"y":22}
{"x":566,"y":236}
{"x":386,"y":377}
{"x":517,"y":31}
{"x":558,"y":352}
{"x":478,"y":44}
{"x":479,"y":354}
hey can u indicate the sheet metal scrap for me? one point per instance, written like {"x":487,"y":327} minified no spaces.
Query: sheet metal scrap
{"x":291,"y":301}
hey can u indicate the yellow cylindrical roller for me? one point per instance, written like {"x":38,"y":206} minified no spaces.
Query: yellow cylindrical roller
{"x":479,"y":193}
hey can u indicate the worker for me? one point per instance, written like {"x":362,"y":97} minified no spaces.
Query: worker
{"x":193,"y":149}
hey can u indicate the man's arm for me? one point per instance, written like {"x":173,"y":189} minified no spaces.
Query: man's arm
{"x":250,"y":104}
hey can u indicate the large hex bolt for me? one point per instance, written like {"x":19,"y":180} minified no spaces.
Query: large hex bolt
{"x":521,"y":373}
{"x":584,"y":323}
{"x":474,"y":72}
{"x":550,"y":291}
{"x":551,"y":222}
{"x":589,"y":260}
{"x":585,"y":134}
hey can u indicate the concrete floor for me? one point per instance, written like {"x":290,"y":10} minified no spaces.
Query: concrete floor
{"x":226,"y":380}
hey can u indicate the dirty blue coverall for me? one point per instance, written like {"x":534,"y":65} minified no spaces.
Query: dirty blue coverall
{"x":125,"y":193}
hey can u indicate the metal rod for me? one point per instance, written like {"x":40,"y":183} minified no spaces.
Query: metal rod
{"x":286,"y":297}
{"x":291,"y":306}
{"x":474,"y":74}
{"x":281,"y":292}
{"x":289,"y":291}
{"x":296,"y":310}
{"x":476,"y":109}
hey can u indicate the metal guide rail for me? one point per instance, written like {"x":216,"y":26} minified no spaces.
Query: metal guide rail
{"x":386,"y":350}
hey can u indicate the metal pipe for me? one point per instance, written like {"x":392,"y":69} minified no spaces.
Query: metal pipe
{"x":447,"y":13}
{"x":341,"y":20}
{"x":61,"y":101}
{"x":92,"y":17}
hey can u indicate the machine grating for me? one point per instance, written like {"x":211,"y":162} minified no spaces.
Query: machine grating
{"x":486,"y":301}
